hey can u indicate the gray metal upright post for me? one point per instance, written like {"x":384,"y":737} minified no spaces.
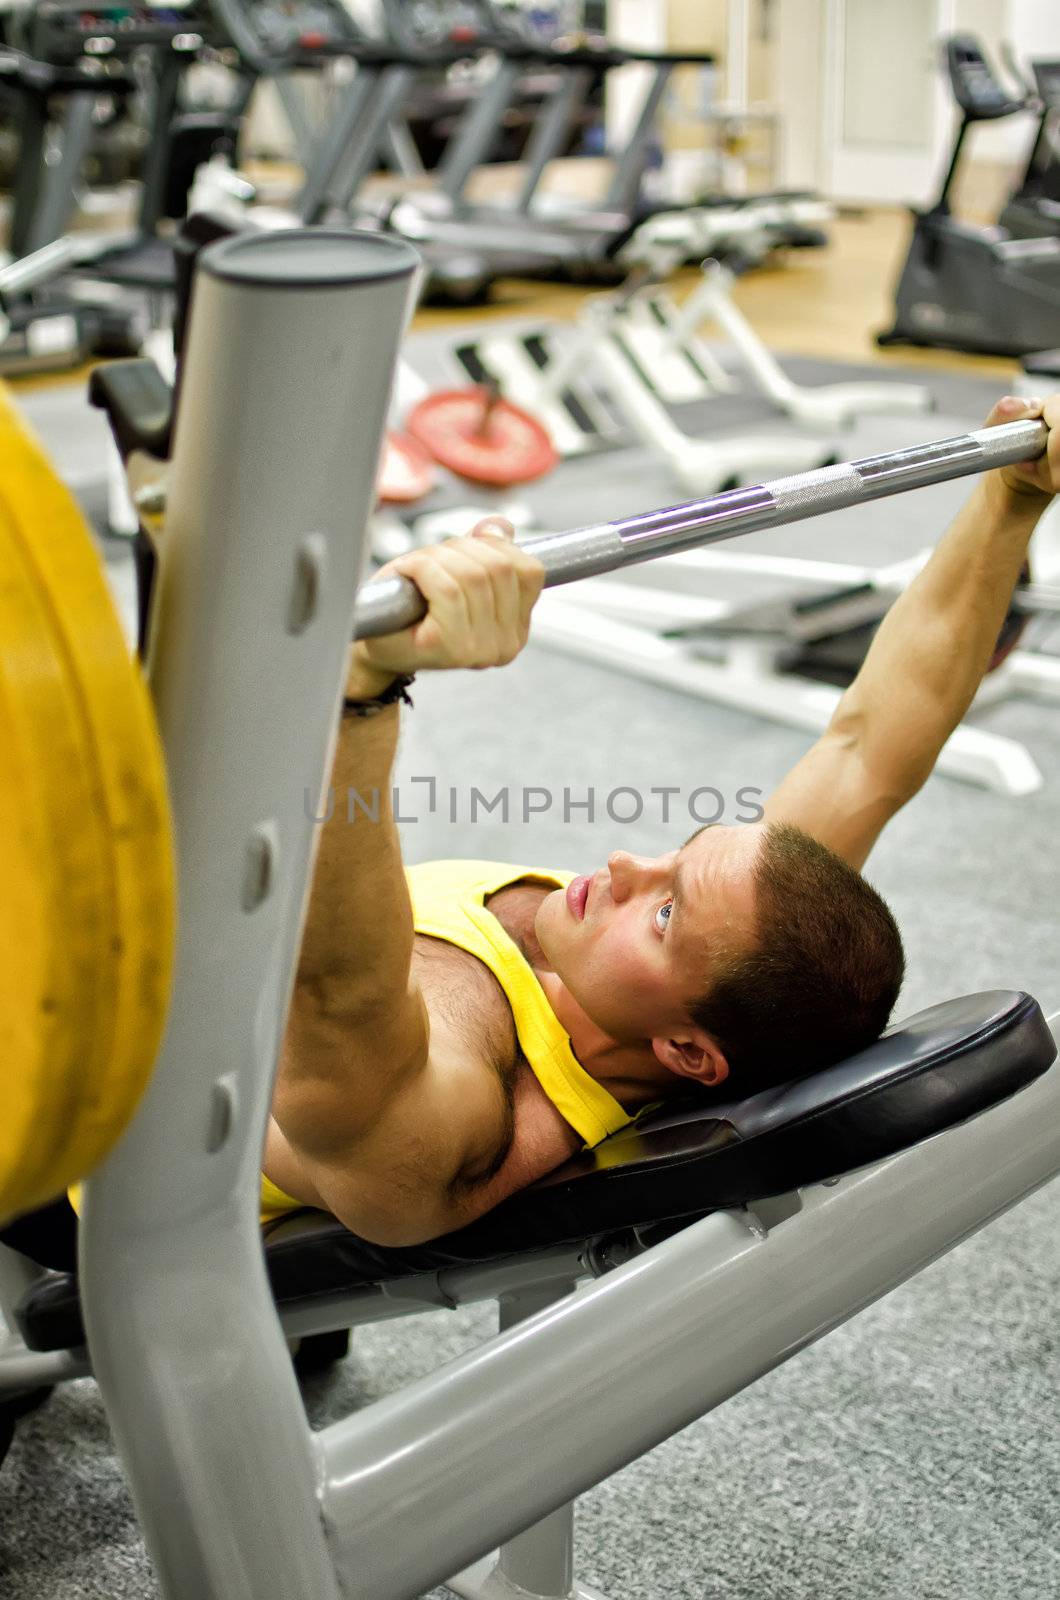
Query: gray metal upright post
{"x":540,"y":1561}
{"x":296,"y":108}
{"x":291,"y":354}
{"x":552,"y":129}
{"x":58,"y":192}
{"x":471,"y":144}
{"x":312,"y":201}
{"x":362,"y":154}
{"x":623,"y":191}
{"x":350,"y":149}
{"x":159,"y":152}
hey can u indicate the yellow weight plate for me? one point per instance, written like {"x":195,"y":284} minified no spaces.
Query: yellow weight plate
{"x":86,"y":915}
{"x":56,"y":881}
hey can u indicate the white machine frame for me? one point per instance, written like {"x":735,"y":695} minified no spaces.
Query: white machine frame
{"x":668,"y":624}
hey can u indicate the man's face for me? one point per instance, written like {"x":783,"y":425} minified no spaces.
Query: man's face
{"x":637,"y":942}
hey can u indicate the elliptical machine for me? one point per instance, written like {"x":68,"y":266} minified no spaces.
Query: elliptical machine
{"x":970,"y":287}
{"x":1033,"y":209}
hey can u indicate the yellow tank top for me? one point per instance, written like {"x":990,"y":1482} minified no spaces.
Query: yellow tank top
{"x":448,"y":902}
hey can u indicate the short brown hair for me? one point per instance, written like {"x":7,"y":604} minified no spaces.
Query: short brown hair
{"x":822,"y":977}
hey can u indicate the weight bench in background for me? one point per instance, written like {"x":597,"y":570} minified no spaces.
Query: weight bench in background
{"x":292,"y":337}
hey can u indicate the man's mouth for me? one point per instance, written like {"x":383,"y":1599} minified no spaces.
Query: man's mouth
{"x":577,"y":895}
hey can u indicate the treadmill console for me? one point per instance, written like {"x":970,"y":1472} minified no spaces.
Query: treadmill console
{"x":301,"y":24}
{"x":65,"y":31}
{"x":422,"y":24}
{"x":975,"y":87}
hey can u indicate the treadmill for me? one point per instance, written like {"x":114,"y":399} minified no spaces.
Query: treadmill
{"x":70,"y":295}
{"x":43,"y":327}
{"x":465,"y":249}
{"x":515,"y":240}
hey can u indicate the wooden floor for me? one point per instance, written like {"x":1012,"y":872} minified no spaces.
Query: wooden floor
{"x":828,"y":302}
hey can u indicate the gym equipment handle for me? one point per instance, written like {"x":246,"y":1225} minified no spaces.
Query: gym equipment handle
{"x":390,"y":604}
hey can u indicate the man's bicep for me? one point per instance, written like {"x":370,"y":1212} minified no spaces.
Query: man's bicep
{"x":340,"y":1074}
{"x":836,"y":797}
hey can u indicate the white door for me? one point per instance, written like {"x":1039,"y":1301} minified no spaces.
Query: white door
{"x":888,"y":111}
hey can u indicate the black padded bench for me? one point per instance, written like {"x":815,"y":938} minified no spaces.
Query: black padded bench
{"x":928,"y":1073}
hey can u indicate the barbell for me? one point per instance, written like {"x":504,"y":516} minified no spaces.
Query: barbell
{"x":87,"y":911}
{"x":386,"y":605}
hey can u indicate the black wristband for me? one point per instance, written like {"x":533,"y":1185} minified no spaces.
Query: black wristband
{"x":394,"y":692}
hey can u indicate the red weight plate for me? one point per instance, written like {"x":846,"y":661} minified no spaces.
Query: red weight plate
{"x":407,"y":472}
{"x":482,"y":437}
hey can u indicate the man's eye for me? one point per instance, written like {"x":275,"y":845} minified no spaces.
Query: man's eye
{"x":662,"y":916}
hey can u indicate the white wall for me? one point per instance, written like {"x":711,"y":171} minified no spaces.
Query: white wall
{"x":802,"y":93}
{"x":1034,"y":28}
{"x":799,"y":90}
{"x":632,"y":22}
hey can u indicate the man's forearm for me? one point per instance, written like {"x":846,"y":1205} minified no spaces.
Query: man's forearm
{"x":357,"y":945}
{"x":934,"y":646}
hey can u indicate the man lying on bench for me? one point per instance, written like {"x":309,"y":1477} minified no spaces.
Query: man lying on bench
{"x":459,"y":1029}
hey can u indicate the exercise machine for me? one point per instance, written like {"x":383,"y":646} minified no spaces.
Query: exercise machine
{"x":620,"y":372}
{"x":648,"y":1260}
{"x":829,"y":406}
{"x":54,"y":105}
{"x":72,"y":294}
{"x":591,"y":242}
{"x":283,"y":45}
{"x":780,"y":637}
{"x":970,"y":287}
{"x":1033,"y":209}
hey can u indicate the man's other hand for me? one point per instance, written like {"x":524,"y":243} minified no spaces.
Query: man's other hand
{"x":1041,"y":477}
{"x":480,"y":591}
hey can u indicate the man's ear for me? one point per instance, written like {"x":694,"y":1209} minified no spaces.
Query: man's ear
{"x":693,"y":1054}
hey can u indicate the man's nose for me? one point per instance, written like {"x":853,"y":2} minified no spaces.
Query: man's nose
{"x":627,"y":872}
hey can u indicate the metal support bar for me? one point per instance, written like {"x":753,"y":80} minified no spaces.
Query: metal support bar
{"x":58,"y":196}
{"x":31,"y":172}
{"x":624,"y":189}
{"x":388,"y":605}
{"x":486,"y":1580}
{"x":295,"y":103}
{"x":159,"y":151}
{"x":400,"y":150}
{"x":312,"y":200}
{"x":32,"y":1369}
{"x":540,"y":1561}
{"x":472,"y":142}
{"x":459,"y":1457}
{"x":362,"y":151}
{"x":551,"y":130}
{"x":261,"y":559}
